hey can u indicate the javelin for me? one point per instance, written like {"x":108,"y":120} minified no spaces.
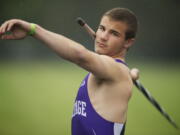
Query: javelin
{"x":137,"y":83}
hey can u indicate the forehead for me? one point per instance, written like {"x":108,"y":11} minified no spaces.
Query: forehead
{"x":111,"y":24}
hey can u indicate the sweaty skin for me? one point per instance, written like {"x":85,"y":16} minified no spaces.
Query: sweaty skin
{"x":110,"y":83}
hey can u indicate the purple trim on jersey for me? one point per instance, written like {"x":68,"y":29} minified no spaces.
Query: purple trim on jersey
{"x":86,"y":121}
{"x":120,"y":61}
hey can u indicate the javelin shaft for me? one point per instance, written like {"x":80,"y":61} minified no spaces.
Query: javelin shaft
{"x":137,"y":83}
{"x":147,"y":94}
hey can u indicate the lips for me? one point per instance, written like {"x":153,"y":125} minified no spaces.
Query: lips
{"x":101,"y":44}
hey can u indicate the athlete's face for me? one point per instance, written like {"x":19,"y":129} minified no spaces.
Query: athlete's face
{"x":110,"y":37}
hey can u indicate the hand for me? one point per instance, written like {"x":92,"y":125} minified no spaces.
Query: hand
{"x":134,"y":74}
{"x":18,"y":29}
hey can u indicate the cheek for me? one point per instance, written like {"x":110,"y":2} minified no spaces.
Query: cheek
{"x":116,"y":44}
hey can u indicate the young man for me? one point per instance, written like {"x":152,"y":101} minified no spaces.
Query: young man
{"x":101,"y":104}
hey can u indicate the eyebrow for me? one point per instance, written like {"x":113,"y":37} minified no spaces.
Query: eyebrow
{"x":101,"y":26}
{"x":116,"y":32}
{"x":111,"y":30}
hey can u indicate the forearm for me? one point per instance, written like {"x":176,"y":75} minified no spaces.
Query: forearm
{"x":64,"y":47}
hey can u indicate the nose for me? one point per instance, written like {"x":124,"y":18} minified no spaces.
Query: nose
{"x":104,"y":36}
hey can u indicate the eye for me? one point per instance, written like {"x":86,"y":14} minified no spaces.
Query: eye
{"x":101,"y":28}
{"x":115,"y":33}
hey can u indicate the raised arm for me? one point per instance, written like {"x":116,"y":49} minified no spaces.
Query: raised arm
{"x":101,"y":66}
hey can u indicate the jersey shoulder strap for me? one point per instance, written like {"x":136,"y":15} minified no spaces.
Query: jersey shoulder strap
{"x":120,"y":61}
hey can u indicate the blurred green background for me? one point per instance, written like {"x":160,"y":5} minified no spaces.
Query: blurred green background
{"x":37,"y":88}
{"x":37,"y":98}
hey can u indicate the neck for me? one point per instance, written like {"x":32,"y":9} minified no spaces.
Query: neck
{"x":120,"y":56}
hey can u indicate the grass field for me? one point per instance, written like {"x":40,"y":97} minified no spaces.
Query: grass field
{"x":37,"y":99}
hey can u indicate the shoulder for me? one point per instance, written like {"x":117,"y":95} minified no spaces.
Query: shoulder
{"x":119,"y":71}
{"x":120,"y":68}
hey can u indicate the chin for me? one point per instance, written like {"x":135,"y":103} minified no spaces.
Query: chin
{"x":98,"y":51}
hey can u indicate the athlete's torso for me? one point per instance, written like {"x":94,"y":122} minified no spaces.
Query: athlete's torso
{"x":85,"y":119}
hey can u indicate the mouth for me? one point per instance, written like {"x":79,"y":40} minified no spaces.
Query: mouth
{"x":102,"y":45}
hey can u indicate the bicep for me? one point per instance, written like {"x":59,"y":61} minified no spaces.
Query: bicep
{"x":101,"y":66}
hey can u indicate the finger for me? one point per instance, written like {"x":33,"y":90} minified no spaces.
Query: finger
{"x":3,"y":27}
{"x":7,"y":37}
{"x":9,"y":26}
{"x":6,"y":28}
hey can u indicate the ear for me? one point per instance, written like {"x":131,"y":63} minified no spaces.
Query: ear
{"x":129,"y":42}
